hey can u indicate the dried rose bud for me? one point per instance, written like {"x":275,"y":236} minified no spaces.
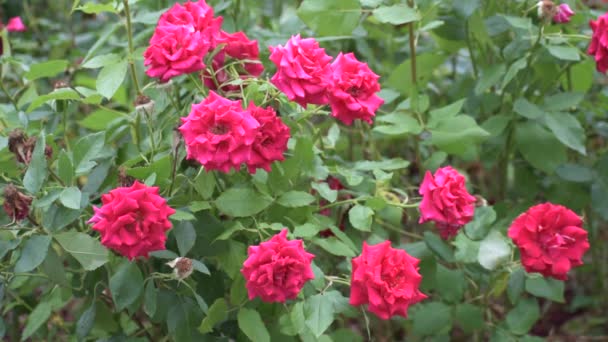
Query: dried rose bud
{"x":480,"y":201}
{"x":16,"y":204}
{"x":123,"y":178}
{"x":21,"y":146}
{"x":182,"y":267}
{"x":60,"y":84}
{"x":546,"y":9}
{"x":144,"y":104}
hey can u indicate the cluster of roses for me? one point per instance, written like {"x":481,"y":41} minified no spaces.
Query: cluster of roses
{"x":134,"y":220}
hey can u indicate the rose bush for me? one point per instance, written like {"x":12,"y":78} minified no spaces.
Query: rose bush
{"x":303,"y":170}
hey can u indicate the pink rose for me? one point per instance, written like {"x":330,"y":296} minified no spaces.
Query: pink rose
{"x":174,"y":51}
{"x":133,"y":220}
{"x":271,"y":139}
{"x":599,"y":42}
{"x":446,"y":201}
{"x":551,"y":240}
{"x":196,"y":17}
{"x":303,"y":71}
{"x":237,"y":47}
{"x":277,"y":269}
{"x":352,"y":94}
{"x":386,"y":279}
{"x":218,"y":133}
{"x":564,"y":12}
{"x":15,"y":25}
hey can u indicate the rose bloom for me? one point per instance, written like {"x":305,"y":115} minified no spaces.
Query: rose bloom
{"x":237,"y":47}
{"x":550,"y":238}
{"x":352,"y":94}
{"x":446,"y":201}
{"x":15,"y":25}
{"x":195,"y":16}
{"x":599,"y":42}
{"x":271,"y":139}
{"x":133,"y":220}
{"x":386,"y":279}
{"x":303,"y":70}
{"x":564,"y":12}
{"x":277,"y":269}
{"x":174,"y":51}
{"x":219,"y":134}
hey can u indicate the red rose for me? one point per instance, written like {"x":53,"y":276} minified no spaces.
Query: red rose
{"x":133,"y":220}
{"x":174,"y":51}
{"x":218,"y":133}
{"x":352,"y":94}
{"x":271,"y":139}
{"x":386,"y":279}
{"x":276,"y":270}
{"x":195,"y":16}
{"x":15,"y":25}
{"x":303,"y":71}
{"x":446,"y":201}
{"x":599,"y":42}
{"x":550,"y":239}
{"x":236,"y":47}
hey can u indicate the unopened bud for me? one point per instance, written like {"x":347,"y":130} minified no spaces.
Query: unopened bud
{"x":16,"y":204}
{"x":123,"y":178}
{"x":182,"y":267}
{"x":144,"y":105}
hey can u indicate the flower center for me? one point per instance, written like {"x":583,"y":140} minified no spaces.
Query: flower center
{"x":219,"y":129}
{"x":354,"y":91}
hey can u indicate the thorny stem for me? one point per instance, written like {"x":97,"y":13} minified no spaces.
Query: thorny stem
{"x":131,"y":49}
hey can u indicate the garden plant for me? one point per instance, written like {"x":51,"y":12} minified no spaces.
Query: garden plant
{"x":304,"y":170}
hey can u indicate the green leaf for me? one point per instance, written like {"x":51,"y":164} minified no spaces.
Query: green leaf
{"x":549,"y":288}
{"x":65,"y":169}
{"x":110,"y":78}
{"x":37,"y":170}
{"x":439,"y":114}
{"x":396,"y":15}
{"x":100,"y":119}
{"x":36,"y":319}
{"x":150,"y":299}
{"x":319,"y":313}
{"x":516,"y":285}
{"x":581,"y":76}
{"x":513,"y":70}
{"x":7,"y":246}
{"x":330,"y":18}
{"x":204,"y":184}
{"x":426,"y":63}
{"x":481,"y":224}
{"x":431,"y":319}
{"x":101,"y":61}
{"x":126,"y":285}
{"x":438,"y":246}
{"x":57,"y":94}
{"x":574,"y":173}
{"x":466,"y":7}
{"x":185,"y":235}
{"x":250,"y":322}
{"x":33,"y":253}
{"x":53,"y":267}
{"x":469,"y":317}
{"x":94,"y":8}
{"x":539,"y":147}
{"x":563,"y":101}
{"x":70,"y":197}
{"x":567,"y":130}
{"x":466,"y":249}
{"x":84,"y":248}
{"x":385,"y":165}
{"x":527,"y":109}
{"x":241,"y":202}
{"x":335,"y":246}
{"x":295,"y":199}
{"x":522,"y":318}
{"x":398,"y":124}
{"x":455,"y":135}
{"x":86,"y":150}
{"x":489,"y":78}
{"x":306,"y":230}
{"x":325,"y":191}
{"x":46,"y":69}
{"x":218,"y":312}
{"x":566,"y":53}
{"x":86,"y":321}
{"x":493,"y":251}
{"x":361,"y":217}
{"x":450,"y":284}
